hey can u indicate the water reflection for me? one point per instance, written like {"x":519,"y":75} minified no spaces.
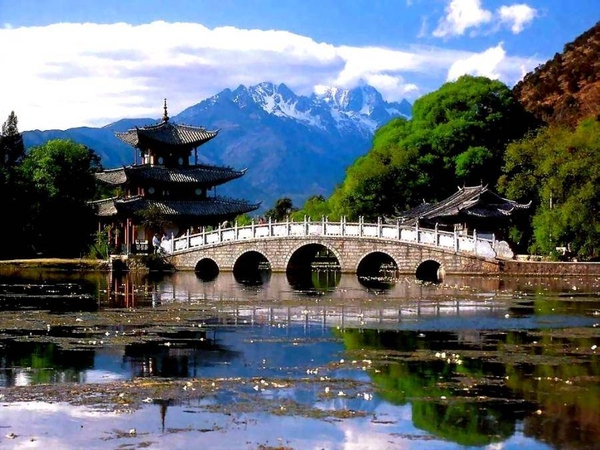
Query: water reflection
{"x":472,"y":361}
{"x":454,"y":388}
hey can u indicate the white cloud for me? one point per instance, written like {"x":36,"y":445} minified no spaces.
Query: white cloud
{"x":67,"y":75}
{"x":460,"y":16}
{"x":492,"y":63}
{"x":517,"y":16}
{"x":482,"y":64}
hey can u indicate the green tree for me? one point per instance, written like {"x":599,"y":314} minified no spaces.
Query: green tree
{"x":12,"y":152}
{"x":282,"y":209}
{"x":457,"y":136}
{"x":315,"y":207}
{"x":153,"y":220}
{"x":59,"y":182}
{"x":12,"y":149}
{"x":560,"y":170}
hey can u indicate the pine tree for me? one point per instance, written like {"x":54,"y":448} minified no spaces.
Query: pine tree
{"x":12,"y":149}
{"x":12,"y":152}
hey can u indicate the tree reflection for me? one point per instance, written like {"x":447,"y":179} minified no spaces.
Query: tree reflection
{"x":568,"y":393}
{"x":25,"y":363}
{"x":430,"y":386}
{"x":548,"y":379}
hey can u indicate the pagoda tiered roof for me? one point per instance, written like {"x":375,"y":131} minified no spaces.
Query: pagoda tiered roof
{"x":201,"y":174}
{"x":472,"y":201}
{"x":212,"y":207}
{"x":166,"y":133}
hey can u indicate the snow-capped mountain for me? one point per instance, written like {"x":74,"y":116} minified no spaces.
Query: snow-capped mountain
{"x":361,"y":109}
{"x":292,"y":145}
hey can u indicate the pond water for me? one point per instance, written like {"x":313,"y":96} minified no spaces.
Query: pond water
{"x":319,"y":361}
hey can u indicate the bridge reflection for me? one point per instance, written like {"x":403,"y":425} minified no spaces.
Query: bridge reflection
{"x":326,"y":297}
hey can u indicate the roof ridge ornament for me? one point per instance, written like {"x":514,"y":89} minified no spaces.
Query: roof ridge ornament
{"x":165,"y":115}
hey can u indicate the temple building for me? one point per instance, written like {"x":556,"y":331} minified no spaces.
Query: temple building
{"x":470,"y":208}
{"x":165,"y":186}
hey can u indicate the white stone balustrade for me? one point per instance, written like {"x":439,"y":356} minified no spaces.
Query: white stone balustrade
{"x":274,"y":230}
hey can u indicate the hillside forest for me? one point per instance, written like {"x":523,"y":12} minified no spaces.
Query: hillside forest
{"x":538,"y":142}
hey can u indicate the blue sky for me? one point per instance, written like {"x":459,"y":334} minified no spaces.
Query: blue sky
{"x":81,"y":62}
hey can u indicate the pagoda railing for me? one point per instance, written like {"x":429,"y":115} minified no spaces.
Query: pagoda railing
{"x":453,"y":241}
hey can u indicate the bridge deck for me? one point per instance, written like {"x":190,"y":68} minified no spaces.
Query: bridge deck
{"x":460,"y":243}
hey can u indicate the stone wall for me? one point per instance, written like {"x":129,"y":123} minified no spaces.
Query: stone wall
{"x":349,"y":252}
{"x":547,"y":268}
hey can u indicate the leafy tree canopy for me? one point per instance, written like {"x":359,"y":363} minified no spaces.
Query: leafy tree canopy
{"x":457,"y":136}
{"x":315,"y":207}
{"x":560,"y":170}
{"x":282,"y":209}
{"x":59,"y":181}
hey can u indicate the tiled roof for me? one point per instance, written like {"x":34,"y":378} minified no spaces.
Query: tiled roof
{"x":211,"y":207}
{"x":112,"y":176}
{"x":105,"y":207}
{"x":167,"y":133}
{"x":201,"y":174}
{"x":474,"y":201}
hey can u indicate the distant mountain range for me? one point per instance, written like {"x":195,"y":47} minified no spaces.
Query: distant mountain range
{"x":293,"y":146}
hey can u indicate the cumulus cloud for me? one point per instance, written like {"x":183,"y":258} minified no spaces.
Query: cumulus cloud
{"x":68,"y":74}
{"x":460,"y":16}
{"x":492,"y":63}
{"x":517,"y":16}
{"x":482,"y":64}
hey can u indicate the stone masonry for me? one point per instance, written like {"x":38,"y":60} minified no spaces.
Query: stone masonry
{"x":349,"y":252}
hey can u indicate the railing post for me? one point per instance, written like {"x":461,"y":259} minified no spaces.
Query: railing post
{"x":343,"y":225}
{"x":435,"y":235}
{"x":360,"y":226}
{"x":287,"y":225}
{"x":455,"y":240}
{"x":306,"y":226}
{"x":475,"y":241}
{"x":253,"y":229}
{"x":417,"y":231}
{"x":270,"y":233}
{"x":235,"y":231}
{"x":187,"y":238}
{"x":398,"y":228}
{"x":173,"y":242}
{"x":203,"y":236}
{"x":322,"y":225}
{"x":378,"y":226}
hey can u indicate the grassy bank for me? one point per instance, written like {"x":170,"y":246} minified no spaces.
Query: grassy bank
{"x":55,"y":264}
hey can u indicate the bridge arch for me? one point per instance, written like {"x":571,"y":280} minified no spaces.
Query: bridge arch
{"x":251,"y":267}
{"x":206,"y":269}
{"x":373,"y":263}
{"x":238,"y":256}
{"x":430,"y":270}
{"x":308,"y":244}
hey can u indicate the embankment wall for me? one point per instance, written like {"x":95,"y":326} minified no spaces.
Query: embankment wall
{"x":548,"y":268}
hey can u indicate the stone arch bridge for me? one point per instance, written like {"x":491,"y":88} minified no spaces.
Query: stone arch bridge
{"x":407,"y":249}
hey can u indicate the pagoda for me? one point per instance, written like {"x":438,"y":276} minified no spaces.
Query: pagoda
{"x":165,"y":182}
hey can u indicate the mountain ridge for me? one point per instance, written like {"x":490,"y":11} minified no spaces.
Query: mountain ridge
{"x":292,"y":145}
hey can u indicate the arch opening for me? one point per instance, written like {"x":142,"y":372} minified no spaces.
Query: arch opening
{"x":206,"y":269}
{"x":313,"y":268}
{"x":377,"y":269}
{"x":430,"y":271}
{"x":252,"y":269}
